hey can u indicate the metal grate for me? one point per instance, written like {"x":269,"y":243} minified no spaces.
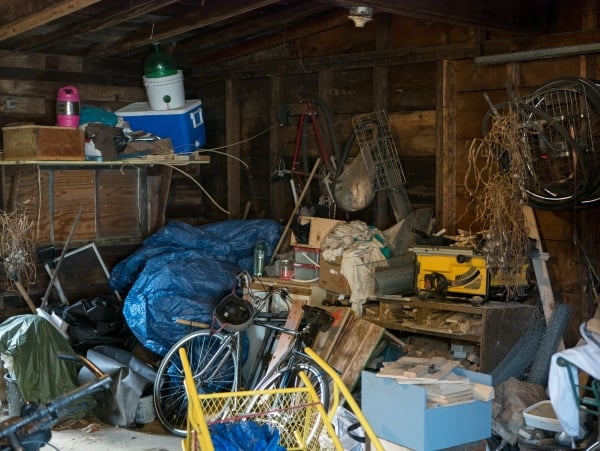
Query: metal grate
{"x":378,"y":150}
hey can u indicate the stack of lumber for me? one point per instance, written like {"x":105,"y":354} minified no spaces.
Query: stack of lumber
{"x":444,"y":387}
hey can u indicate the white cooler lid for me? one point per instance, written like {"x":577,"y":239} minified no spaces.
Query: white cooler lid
{"x":143,"y":109}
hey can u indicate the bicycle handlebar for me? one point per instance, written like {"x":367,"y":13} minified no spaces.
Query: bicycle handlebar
{"x":10,"y":427}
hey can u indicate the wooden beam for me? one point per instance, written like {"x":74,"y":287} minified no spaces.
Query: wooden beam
{"x":445,"y":166}
{"x":305,"y":29}
{"x":209,"y":14}
{"x":381,"y":210}
{"x":391,"y":57}
{"x":515,"y":15}
{"x":126,"y":13}
{"x":260,"y":24}
{"x":232,"y":125}
{"x":42,"y":17}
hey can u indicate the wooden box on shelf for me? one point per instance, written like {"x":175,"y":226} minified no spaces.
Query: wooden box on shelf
{"x":39,"y":142}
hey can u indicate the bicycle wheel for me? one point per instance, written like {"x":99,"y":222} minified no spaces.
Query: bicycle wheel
{"x":214,"y":366}
{"x":290,"y":378}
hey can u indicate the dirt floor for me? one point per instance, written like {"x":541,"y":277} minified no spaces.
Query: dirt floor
{"x":94,"y":435}
{"x":98,"y":436}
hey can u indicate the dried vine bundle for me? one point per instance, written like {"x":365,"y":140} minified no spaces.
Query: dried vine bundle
{"x":495,"y":183}
{"x":17,"y":245}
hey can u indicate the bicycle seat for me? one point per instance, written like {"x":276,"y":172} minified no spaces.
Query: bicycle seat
{"x":318,"y":316}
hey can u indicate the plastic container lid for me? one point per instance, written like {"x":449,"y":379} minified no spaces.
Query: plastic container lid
{"x":159,"y":63}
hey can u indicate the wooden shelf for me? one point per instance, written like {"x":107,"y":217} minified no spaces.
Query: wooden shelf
{"x":494,"y":326}
{"x":174,"y":160}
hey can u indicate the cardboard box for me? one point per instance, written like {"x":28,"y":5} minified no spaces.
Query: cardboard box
{"x":330,"y":278}
{"x":399,"y":413}
{"x":39,"y":142}
{"x":319,"y":228}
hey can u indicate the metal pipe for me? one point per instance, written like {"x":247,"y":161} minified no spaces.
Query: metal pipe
{"x":529,"y":55}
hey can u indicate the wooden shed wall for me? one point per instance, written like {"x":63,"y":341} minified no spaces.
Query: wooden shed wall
{"x":423,"y":74}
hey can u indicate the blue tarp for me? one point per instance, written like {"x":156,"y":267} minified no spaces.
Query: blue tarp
{"x":245,"y":436}
{"x":182,"y":271}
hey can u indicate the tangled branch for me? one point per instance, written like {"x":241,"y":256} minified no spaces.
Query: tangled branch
{"x":495,"y":183}
{"x":17,"y":247}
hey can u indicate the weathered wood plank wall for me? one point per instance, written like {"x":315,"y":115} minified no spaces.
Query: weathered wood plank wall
{"x":421,"y":73}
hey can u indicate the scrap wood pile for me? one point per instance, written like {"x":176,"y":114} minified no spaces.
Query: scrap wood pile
{"x":436,"y":375}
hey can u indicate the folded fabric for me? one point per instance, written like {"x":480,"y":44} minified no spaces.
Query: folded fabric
{"x":585,"y":357}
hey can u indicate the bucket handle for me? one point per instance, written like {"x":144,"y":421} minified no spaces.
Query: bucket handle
{"x":197,"y":114}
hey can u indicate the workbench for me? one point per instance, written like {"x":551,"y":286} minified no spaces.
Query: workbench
{"x":493,"y":327}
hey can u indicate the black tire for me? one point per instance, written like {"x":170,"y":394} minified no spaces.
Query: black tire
{"x":215,"y":369}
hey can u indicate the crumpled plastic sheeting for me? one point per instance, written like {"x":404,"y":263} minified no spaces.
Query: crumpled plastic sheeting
{"x":182,"y":271}
{"x":34,"y":343}
{"x":131,"y":377}
{"x":512,"y":397}
{"x":245,"y":436}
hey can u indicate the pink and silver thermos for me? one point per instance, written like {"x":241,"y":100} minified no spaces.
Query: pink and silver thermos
{"x":67,"y":107}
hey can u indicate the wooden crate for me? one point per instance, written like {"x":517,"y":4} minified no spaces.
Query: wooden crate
{"x":38,"y":142}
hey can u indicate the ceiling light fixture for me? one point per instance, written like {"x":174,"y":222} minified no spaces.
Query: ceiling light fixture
{"x":360,"y":15}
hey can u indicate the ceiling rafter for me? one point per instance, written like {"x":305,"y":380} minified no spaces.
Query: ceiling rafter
{"x":266,"y":24}
{"x":512,"y":15}
{"x":96,"y":24}
{"x":298,"y":31}
{"x":206,"y":15}
{"x":43,"y":17}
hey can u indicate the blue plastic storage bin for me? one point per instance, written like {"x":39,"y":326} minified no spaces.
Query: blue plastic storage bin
{"x":185,"y":125}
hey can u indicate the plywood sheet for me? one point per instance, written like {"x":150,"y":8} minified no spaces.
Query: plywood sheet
{"x":354,"y":348}
{"x":72,"y":189}
{"x":118,"y":203}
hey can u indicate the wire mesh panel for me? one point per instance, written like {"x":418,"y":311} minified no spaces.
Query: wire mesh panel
{"x":378,"y":150}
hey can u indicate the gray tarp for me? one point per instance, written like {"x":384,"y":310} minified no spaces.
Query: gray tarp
{"x":131,"y":377}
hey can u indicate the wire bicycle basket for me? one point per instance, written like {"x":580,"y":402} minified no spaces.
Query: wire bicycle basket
{"x":378,"y":150}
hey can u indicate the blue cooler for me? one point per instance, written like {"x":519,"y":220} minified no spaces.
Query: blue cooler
{"x":185,"y":125}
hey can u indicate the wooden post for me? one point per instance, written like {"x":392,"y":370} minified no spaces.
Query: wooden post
{"x":445,"y":165}
{"x":232,"y":120}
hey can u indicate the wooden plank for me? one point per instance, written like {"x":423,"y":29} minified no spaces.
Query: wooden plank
{"x":292,"y":322}
{"x":354,"y":348}
{"x":118,"y":203}
{"x":542,"y":276}
{"x":326,"y":341}
{"x":415,"y":132}
{"x":70,"y":190}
